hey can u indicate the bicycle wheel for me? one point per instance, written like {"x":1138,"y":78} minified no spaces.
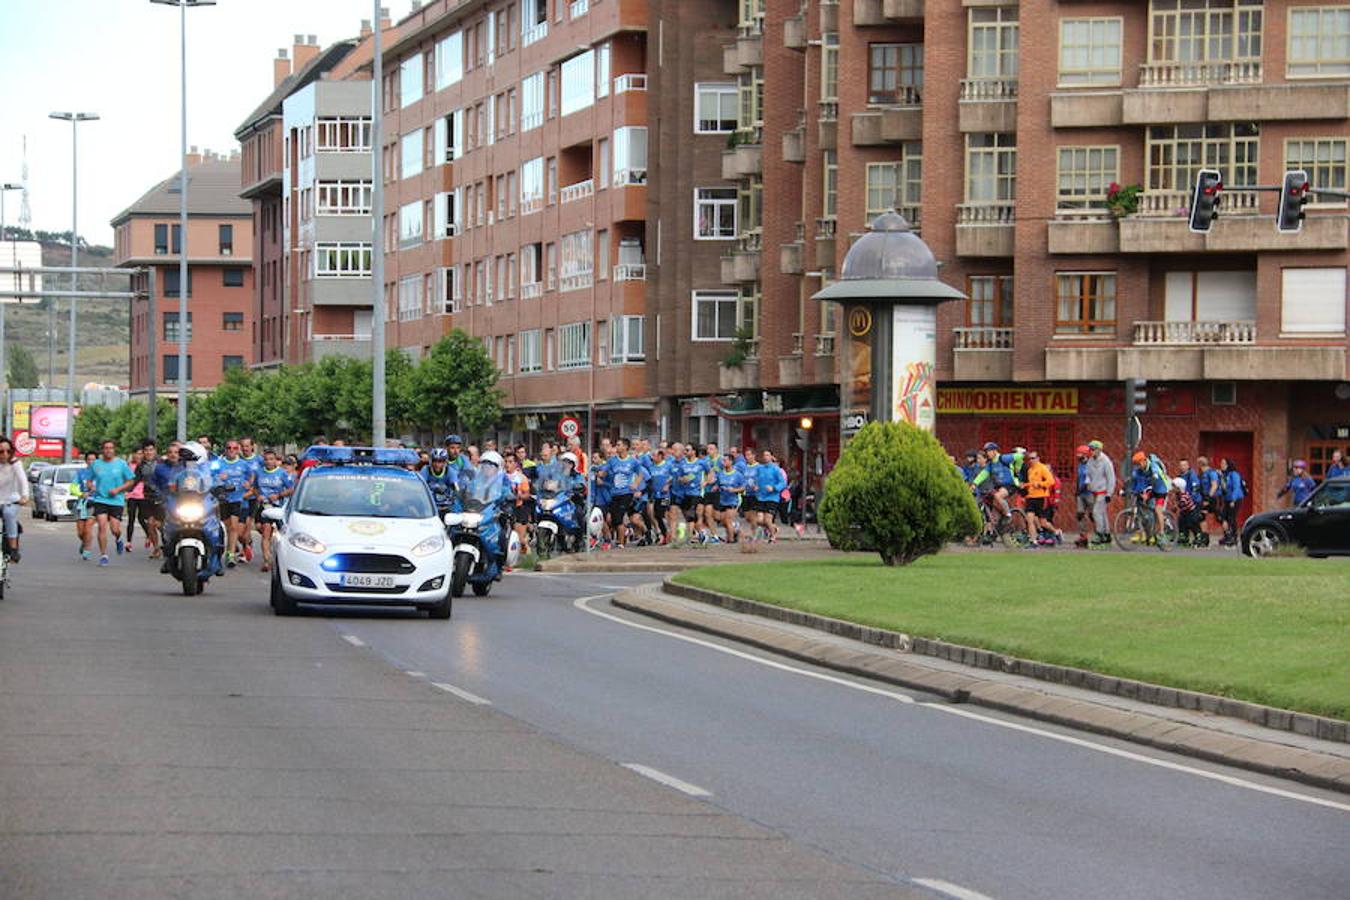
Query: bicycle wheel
{"x":1013,"y":530}
{"x":1168,"y":539}
{"x":1126,"y":531}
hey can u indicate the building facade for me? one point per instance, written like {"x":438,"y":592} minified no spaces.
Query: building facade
{"x":220,"y":274}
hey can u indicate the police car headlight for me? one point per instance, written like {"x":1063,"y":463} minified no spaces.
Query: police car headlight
{"x":190,"y":512}
{"x":433,"y":544}
{"x":301,"y":541}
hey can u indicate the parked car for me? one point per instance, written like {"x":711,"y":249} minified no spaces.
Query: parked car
{"x":36,"y":468}
{"x":51,"y":496}
{"x":1320,"y":526}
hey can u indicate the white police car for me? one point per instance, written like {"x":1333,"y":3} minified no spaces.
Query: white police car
{"x":360,"y":530}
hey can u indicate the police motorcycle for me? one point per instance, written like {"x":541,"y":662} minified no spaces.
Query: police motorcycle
{"x":556,"y":526}
{"x":194,"y":539}
{"x":480,"y":530}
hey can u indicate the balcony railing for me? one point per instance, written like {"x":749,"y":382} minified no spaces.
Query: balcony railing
{"x":635,"y":81}
{"x":798,"y":339}
{"x":531,"y":289}
{"x":577,"y":191}
{"x":630,"y":272}
{"x":577,"y":8}
{"x":1169,"y":204}
{"x":988,"y":89}
{"x":828,"y":110}
{"x":983,"y":337}
{"x":335,"y":337}
{"x":534,"y":33}
{"x":826,"y":228}
{"x":576,"y":282}
{"x":1155,"y":333}
{"x":625,"y":177}
{"x":824,"y":345}
{"x":903,"y":95}
{"x":531,"y":120}
{"x":985,"y":213}
{"x":531,"y":204}
{"x":1185,"y":74}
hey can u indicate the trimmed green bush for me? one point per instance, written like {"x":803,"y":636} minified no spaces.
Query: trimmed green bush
{"x":895,"y":491}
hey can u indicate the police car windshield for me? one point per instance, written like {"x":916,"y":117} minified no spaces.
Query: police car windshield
{"x":369,"y":495}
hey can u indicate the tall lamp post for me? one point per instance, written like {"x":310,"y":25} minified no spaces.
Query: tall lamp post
{"x":74,"y":118}
{"x":153,"y":343}
{"x":10,"y":260}
{"x":377,"y":410}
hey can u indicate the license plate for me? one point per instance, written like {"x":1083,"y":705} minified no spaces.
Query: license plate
{"x":368,"y":581}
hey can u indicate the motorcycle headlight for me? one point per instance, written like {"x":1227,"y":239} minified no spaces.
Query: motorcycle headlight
{"x":472,"y":520}
{"x":302,"y":541}
{"x":433,"y":544}
{"x":550,"y":505}
{"x":453,"y":519}
{"x":190,"y":511}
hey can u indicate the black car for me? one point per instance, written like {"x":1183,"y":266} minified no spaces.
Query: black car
{"x":1321,"y":525}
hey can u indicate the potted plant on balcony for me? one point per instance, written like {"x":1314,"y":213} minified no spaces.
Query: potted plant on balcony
{"x":741,"y":349}
{"x":1123,"y":200}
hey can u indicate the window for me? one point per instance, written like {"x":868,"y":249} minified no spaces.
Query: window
{"x":578,"y":263}
{"x":170,"y":367}
{"x":894,"y":73}
{"x":231,"y":362}
{"x":410,"y":80}
{"x":344,"y":135}
{"x":831,"y":201}
{"x":171,"y":332}
{"x":171,"y":282}
{"x":344,"y":198}
{"x":829,"y":66}
{"x":625,"y":339}
{"x":896,"y":185}
{"x":715,"y":315}
{"x":410,"y":298}
{"x":230,"y":321}
{"x":527,"y":351}
{"x":412,"y":152}
{"x":410,"y":224}
{"x":1087,"y":303}
{"x":993,"y":43}
{"x":449,"y":60}
{"x":714,"y":214}
{"x":714,"y":107}
{"x":1312,"y":301}
{"x":991,"y":301}
{"x":578,"y":82}
{"x":551,"y":179}
{"x":1089,"y":51}
{"x":226,"y":238}
{"x":532,"y":101}
{"x":602,"y":245}
{"x":232,"y":276}
{"x":533,"y":21}
{"x":991,"y":168}
{"x":342,"y":260}
{"x":749,"y":204}
{"x":630,"y":155}
{"x":531,"y":269}
{"x":1319,"y":41}
{"x":1085,"y":173}
{"x":532,"y":185}
{"x":1192,"y":31}
{"x":605,"y":161}
{"x":161,"y":239}
{"x":574,"y":345}
{"x":1322,"y":158}
{"x":1210,"y":296}
{"x":602,"y":69}
{"x":750,"y":88}
{"x":177,"y":232}
{"x":1177,"y":152}
{"x":551,"y":265}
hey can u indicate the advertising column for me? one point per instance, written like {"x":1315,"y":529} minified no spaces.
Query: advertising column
{"x":913,"y":396}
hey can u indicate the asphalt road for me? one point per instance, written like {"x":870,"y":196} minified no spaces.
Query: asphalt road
{"x":151,"y":741}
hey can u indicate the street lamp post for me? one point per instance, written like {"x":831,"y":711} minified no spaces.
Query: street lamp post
{"x":74,"y":118}
{"x":377,"y":409}
{"x":11,"y":260}
{"x":182,"y":220}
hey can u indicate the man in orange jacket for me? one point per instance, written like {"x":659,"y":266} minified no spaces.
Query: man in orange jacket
{"x":1039,"y":482}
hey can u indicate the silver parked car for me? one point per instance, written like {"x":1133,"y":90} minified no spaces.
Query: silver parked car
{"x":52,"y":499}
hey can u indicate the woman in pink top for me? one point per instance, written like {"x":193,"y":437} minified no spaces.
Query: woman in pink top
{"x":135,"y":501}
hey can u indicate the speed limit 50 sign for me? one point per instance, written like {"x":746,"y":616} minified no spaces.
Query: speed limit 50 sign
{"x":569,"y":427}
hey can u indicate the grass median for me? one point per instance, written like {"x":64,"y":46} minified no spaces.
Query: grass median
{"x":1273,"y":631}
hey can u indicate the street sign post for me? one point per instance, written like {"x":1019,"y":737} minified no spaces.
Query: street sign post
{"x":569,"y":427}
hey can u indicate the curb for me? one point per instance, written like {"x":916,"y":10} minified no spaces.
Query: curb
{"x":576,"y":567}
{"x":1267,"y":757}
{"x":1307,"y":724}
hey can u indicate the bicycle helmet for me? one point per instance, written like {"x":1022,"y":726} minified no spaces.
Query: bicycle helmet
{"x":1082,"y":450}
{"x":1300,"y":464}
{"x":971,"y":454}
{"x":1139,"y":457}
{"x":453,"y":439}
{"x":991,"y":446}
{"x":1095,"y":445}
{"x":1179,"y":483}
{"x":439,"y":455}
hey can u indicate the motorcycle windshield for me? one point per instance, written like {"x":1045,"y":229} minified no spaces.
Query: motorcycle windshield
{"x":483,"y":491}
{"x":550,"y":488}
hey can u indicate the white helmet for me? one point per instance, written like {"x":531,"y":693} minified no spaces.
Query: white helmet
{"x":513,"y":551}
{"x":569,"y":457}
{"x":492,"y":456}
{"x":192,"y":451}
{"x":1179,"y":483}
{"x":596,"y":524}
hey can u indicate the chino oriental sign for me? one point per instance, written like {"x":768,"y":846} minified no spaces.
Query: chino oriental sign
{"x":1018,"y":401}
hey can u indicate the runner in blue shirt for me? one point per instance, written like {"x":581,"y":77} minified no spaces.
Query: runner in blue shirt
{"x":271,"y":486}
{"x":623,"y":475}
{"x":660,"y":481}
{"x":84,"y":513}
{"x":1337,"y":467}
{"x":730,"y":487}
{"x":235,"y":472}
{"x":769,"y":482}
{"x":1234,"y":493}
{"x":111,"y":478}
{"x":710,"y":462}
{"x":248,"y":512}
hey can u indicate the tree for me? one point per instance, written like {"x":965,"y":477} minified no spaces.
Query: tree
{"x":93,"y":426}
{"x":23,"y":369}
{"x":895,"y":491}
{"x":456,"y":385}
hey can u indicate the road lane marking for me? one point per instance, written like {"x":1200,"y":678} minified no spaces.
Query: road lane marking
{"x":353,"y":640}
{"x":582,"y":604}
{"x":669,"y":781}
{"x":412,"y":674}
{"x":462,"y":694}
{"x":955,"y":891}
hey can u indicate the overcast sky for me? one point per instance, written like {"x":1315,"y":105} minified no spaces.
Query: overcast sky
{"x":120,"y":59}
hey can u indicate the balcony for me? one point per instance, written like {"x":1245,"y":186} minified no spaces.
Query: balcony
{"x":1148,"y":333}
{"x":531,"y":289}
{"x":794,"y":32}
{"x":1161,"y":226}
{"x":794,"y":144}
{"x":633,"y":81}
{"x":902,"y":10}
{"x":825,"y":243}
{"x":1198,"y":74}
{"x":1226,"y":91}
{"x":747,"y":52}
{"x":982,"y":353}
{"x":824,"y":345}
{"x":791,"y":258}
{"x":576,"y":281}
{"x":578,"y":8}
{"x":355,"y":346}
{"x":829,"y":16}
{"x":890,"y":124}
{"x":984,"y":229}
{"x":1083,"y":232}
{"x":1194,"y":351}
{"x":988,"y":105}
{"x":742,"y":377}
{"x":742,"y":161}
{"x":630,"y":272}
{"x":578,"y":191}
{"x":869,"y":12}
{"x":827,"y":118}
{"x":740,"y":267}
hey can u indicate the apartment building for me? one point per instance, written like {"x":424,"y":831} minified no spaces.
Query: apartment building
{"x":306,"y":170}
{"x":1046,"y":149}
{"x":547,"y":171}
{"x":220,"y":274}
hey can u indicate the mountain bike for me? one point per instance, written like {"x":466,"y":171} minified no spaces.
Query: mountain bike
{"x":1136,"y":526}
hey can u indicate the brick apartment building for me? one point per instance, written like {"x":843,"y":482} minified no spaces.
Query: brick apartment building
{"x":220,"y":273}
{"x":306,"y":170}
{"x":998,"y":128}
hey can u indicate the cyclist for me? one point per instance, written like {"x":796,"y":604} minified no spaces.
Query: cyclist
{"x":971,"y":467}
{"x":271,"y":487}
{"x":14,"y":492}
{"x":1299,"y":483}
{"x":996,"y":480}
{"x":1189,"y":518}
{"x":1148,"y":484}
{"x":232,"y":470}
{"x":456,"y":459}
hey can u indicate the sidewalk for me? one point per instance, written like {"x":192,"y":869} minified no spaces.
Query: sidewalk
{"x":678,"y":558}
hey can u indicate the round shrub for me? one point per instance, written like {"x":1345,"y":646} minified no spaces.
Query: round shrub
{"x":895,"y":491}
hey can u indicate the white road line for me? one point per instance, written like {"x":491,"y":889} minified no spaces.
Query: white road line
{"x":462,"y":694}
{"x":955,"y":891}
{"x":413,"y":674}
{"x":582,"y":604}
{"x":669,"y":781}
{"x":353,"y":640}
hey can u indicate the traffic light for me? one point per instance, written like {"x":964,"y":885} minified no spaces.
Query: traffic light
{"x":1293,"y":197}
{"x":1205,"y":202}
{"x":1136,"y":396}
